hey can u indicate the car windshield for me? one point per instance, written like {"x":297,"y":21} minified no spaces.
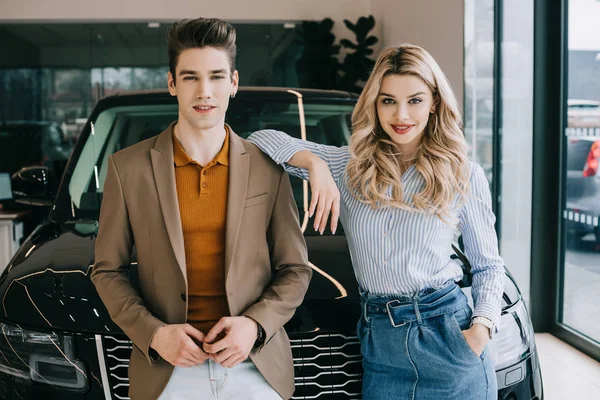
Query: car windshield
{"x":326,"y":121}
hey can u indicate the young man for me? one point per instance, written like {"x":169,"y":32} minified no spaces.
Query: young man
{"x":222,"y":262}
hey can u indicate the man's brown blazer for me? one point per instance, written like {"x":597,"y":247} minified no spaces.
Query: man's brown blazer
{"x":266,"y":264}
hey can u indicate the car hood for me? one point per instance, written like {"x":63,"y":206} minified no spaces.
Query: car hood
{"x":47,"y":284}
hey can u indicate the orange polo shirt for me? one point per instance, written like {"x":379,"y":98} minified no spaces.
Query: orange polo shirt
{"x":202,"y":195}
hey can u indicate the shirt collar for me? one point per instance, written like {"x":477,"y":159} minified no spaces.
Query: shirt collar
{"x":182,"y":158}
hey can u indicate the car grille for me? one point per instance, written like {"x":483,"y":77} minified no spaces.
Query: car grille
{"x":117,"y":351}
{"x":327,"y":366}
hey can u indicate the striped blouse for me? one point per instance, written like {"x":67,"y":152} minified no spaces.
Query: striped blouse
{"x":396,"y":251}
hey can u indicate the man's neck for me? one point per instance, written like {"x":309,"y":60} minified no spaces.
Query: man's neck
{"x":201,"y":145}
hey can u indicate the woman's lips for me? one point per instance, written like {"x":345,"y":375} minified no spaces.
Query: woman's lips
{"x":402,"y":129}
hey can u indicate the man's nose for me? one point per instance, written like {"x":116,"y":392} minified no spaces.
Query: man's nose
{"x":203,"y":91}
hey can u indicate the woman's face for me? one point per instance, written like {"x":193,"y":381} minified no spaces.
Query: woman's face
{"x":404,"y":105}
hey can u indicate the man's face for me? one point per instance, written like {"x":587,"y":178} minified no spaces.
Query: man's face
{"x":203,"y":85}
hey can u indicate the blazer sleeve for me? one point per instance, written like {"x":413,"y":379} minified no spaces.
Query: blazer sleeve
{"x":112,"y":261}
{"x":289,"y":263}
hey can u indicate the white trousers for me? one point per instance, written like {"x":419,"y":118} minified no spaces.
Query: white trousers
{"x":212,"y":381}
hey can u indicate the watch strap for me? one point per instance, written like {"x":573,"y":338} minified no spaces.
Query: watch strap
{"x":488,"y":323}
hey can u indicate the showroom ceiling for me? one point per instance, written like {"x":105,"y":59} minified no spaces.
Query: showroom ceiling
{"x":101,"y":44}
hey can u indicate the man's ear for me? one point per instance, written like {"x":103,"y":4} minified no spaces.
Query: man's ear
{"x":171,"y":84}
{"x":235,"y":80}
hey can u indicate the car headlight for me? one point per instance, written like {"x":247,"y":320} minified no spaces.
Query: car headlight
{"x":515,"y":341}
{"x":45,"y":358}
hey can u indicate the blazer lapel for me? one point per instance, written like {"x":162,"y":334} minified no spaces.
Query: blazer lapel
{"x":164,"y":176}
{"x":239,"y":163}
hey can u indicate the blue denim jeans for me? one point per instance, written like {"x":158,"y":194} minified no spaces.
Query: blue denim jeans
{"x":210,"y":381}
{"x":413,"y":348}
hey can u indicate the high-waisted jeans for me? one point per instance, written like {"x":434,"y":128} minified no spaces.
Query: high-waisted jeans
{"x":413,"y":348}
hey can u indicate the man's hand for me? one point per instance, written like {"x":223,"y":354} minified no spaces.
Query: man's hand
{"x":175,"y":343}
{"x":325,"y":196}
{"x":477,"y":337}
{"x":240,"y":335}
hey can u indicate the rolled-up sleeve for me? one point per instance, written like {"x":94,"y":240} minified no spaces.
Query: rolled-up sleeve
{"x":281,"y":147}
{"x":481,"y":247}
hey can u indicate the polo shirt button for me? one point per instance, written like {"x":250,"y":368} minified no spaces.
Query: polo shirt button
{"x":204,"y":185}
{"x":183,"y":296}
{"x":203,"y":172}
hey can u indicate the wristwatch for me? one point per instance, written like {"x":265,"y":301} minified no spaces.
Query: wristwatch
{"x":487,"y":323}
{"x":260,"y":337}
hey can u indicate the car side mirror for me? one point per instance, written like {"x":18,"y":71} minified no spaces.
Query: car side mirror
{"x":34,"y":186}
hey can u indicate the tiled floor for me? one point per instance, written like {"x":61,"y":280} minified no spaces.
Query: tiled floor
{"x":567,"y":373}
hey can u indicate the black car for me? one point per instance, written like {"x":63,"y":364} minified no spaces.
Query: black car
{"x":58,"y":340}
{"x":583,"y":191}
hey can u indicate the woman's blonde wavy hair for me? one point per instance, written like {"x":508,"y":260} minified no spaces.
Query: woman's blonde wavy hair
{"x":442,"y":155}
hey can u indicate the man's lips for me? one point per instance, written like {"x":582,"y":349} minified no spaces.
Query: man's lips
{"x":402,"y":129}
{"x":204,"y":108}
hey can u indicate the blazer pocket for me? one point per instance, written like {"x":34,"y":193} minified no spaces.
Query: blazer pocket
{"x":252,"y":201}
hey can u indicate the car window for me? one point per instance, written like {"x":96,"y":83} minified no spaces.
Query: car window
{"x":116,"y":128}
{"x":578,"y":151}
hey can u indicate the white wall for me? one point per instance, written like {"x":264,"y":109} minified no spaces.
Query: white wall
{"x":435,"y":25}
{"x":162,"y":10}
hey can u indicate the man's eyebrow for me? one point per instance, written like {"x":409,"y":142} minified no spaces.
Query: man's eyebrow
{"x":187,"y":72}
{"x":218,"y":71}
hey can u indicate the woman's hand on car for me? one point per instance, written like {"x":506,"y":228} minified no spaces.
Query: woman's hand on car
{"x":325,"y":196}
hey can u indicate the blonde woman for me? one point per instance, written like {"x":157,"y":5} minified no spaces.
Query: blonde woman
{"x":401,"y":189}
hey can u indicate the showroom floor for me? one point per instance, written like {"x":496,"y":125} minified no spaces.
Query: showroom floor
{"x":567,"y":373}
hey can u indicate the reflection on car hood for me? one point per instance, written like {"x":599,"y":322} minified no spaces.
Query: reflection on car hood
{"x":47,"y":285}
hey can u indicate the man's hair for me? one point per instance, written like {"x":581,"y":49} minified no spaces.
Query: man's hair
{"x":200,"y":33}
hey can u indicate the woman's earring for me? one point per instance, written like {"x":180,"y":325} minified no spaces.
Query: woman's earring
{"x":232,"y":95}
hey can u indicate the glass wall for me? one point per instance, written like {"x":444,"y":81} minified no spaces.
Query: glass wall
{"x":580,"y":289}
{"x":56,"y":73}
{"x":479,"y":82}
{"x":499,"y":87}
{"x":516,"y":133}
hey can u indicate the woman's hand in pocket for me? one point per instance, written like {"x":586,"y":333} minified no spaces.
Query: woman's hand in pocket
{"x":477,"y":336}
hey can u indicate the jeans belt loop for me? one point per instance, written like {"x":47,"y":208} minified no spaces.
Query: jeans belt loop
{"x":389,"y":313}
{"x":417,"y":312}
{"x":366,"y":316}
